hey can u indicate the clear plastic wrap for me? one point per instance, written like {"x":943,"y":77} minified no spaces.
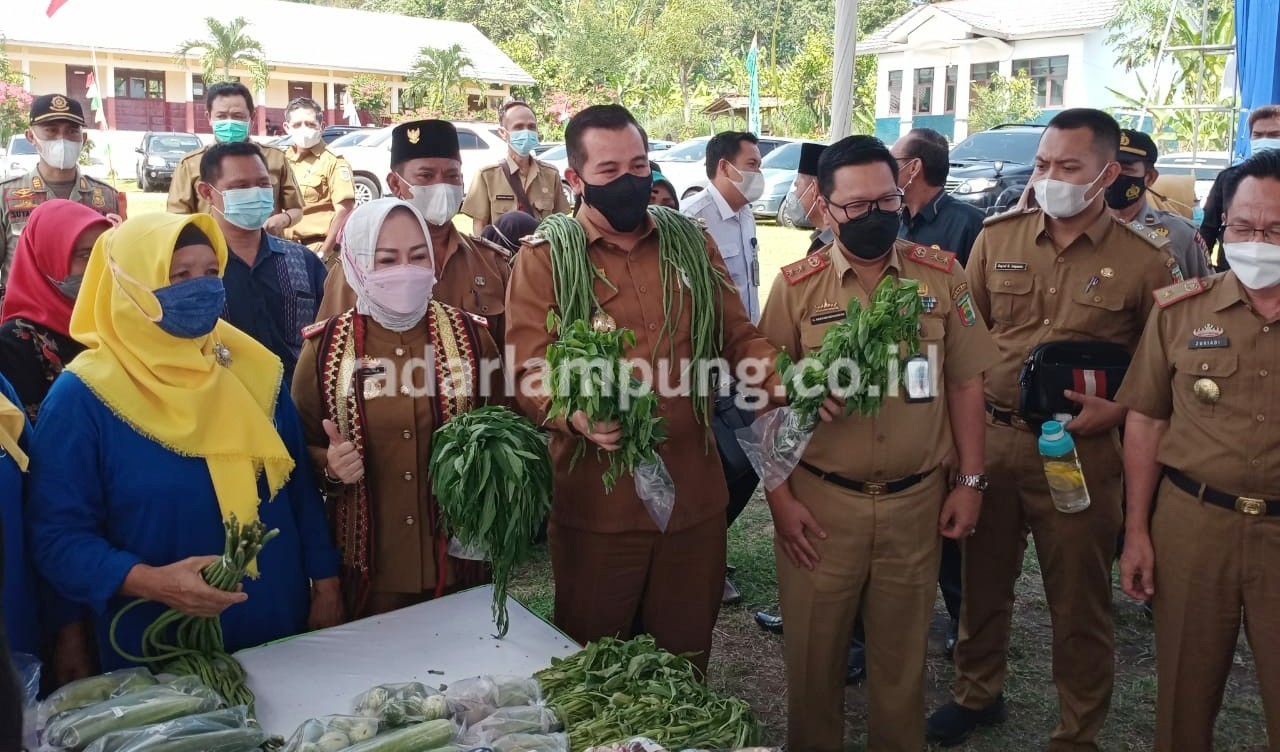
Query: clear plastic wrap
{"x":532,"y":743}
{"x":523,"y":719}
{"x":472,"y":700}
{"x":92,"y":689}
{"x":397,"y":705}
{"x":332,"y":733}
{"x":459,"y":550}
{"x":227,"y":730}
{"x":775,"y":443}
{"x":656,"y":490}
{"x":77,"y":729}
{"x":27,"y":668}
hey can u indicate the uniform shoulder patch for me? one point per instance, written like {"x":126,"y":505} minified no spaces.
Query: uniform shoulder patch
{"x":806,"y":267}
{"x":1167,"y":296}
{"x":492,"y":246}
{"x":933,"y":257}
{"x":996,"y":219}
{"x":1148,"y":234}
{"x":533,"y":240}
{"x":312,"y":330}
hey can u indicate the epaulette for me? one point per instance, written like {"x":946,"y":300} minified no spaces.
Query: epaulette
{"x":481,"y":320}
{"x":533,"y":240}
{"x":806,"y":267}
{"x":1167,"y":296}
{"x":494,"y":246}
{"x":312,"y":330}
{"x":1148,"y":234}
{"x":1005,"y":216}
{"x":933,"y":257}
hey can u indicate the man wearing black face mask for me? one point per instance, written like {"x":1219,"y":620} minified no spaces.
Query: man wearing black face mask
{"x":1127,"y":200}
{"x":612,"y":565}
{"x":870,"y":499}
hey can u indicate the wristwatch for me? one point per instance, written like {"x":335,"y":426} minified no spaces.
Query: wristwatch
{"x":976,"y":482}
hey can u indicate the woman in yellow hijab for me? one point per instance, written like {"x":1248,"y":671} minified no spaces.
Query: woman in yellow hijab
{"x":170,"y":421}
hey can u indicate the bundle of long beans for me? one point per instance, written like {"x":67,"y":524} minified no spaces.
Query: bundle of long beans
{"x":178,"y":643}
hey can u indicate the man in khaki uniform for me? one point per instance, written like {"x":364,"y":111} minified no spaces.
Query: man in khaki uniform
{"x":229,"y":107}
{"x":426,"y":171}
{"x":57,"y":131}
{"x":858,"y":523}
{"x":1201,"y":398}
{"x":518,"y":183}
{"x":1128,"y":199}
{"x":328,"y":194}
{"x":1066,"y":271}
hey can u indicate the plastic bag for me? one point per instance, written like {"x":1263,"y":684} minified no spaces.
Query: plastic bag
{"x":775,"y":442}
{"x":516,"y":690}
{"x":77,"y":729}
{"x":532,"y":743}
{"x":525,"y":719}
{"x":26,"y":668}
{"x":92,"y":689}
{"x":227,"y":730}
{"x":459,"y":550}
{"x":398,"y":705}
{"x":332,"y":733}
{"x":656,"y":490}
{"x":472,"y":700}
{"x":638,"y":744}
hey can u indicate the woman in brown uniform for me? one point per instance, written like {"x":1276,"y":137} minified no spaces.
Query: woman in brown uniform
{"x":372,"y":385}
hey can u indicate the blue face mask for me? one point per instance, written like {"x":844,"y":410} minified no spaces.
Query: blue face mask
{"x":523,"y":142}
{"x":1259,"y":145}
{"x":230,"y":131}
{"x":190,"y":310}
{"x":248,"y":208}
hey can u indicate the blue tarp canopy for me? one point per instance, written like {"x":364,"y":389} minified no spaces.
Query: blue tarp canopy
{"x":1257,"y":61}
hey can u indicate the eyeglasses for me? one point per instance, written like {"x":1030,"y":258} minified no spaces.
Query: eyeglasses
{"x":1241,"y":233}
{"x":859,"y":209}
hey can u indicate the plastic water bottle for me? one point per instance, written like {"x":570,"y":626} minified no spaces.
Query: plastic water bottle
{"x":1062,"y":468}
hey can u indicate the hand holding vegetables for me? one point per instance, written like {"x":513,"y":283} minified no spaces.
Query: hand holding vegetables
{"x":606,"y":434}
{"x":344,"y":460}
{"x":181,"y":587}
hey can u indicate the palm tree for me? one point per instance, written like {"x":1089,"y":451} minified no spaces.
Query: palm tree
{"x":227,"y":45}
{"x":437,"y":77}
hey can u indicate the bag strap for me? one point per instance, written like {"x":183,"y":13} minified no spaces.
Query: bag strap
{"x":522,"y":198}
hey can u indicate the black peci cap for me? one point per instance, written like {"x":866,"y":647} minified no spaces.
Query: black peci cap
{"x":809,"y":155}
{"x":420,"y":139}
{"x":1136,"y":146}
{"x":53,"y":107}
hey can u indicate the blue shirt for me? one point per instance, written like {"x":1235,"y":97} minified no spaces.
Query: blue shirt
{"x":19,"y":603}
{"x":946,"y":222}
{"x":275,"y":298}
{"x":101,"y":498}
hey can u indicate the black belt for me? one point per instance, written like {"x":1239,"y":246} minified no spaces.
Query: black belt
{"x":1243,"y":504}
{"x":1010,"y":418}
{"x":870,"y":488}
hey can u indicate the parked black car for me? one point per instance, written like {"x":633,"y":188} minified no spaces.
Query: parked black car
{"x":159,"y":154}
{"x":990,"y":169}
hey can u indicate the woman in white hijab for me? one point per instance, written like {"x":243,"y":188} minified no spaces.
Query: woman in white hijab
{"x":372,"y":384}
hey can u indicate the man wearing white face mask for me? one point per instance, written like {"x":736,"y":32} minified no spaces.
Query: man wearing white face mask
{"x":426,"y":171}
{"x":518,"y":183}
{"x":323,"y":177}
{"x":1200,"y":445}
{"x":733,"y":169}
{"x":57,"y":132}
{"x":1066,"y":272}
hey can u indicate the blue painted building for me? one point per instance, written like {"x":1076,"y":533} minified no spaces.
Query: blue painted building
{"x":934,"y":57}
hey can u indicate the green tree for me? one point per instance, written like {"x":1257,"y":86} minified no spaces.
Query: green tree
{"x":438,"y":79}
{"x":227,"y":46}
{"x":686,"y":38}
{"x":15,"y":100}
{"x":806,"y":81}
{"x":1003,"y":100}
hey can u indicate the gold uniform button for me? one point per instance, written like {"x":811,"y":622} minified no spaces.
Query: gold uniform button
{"x":408,"y":520}
{"x":1053,"y":291}
{"x":1266,"y":328}
{"x":1204,"y":366}
{"x":1046,"y":322}
{"x":400,"y":351}
{"x":407,"y":434}
{"x":408,"y":476}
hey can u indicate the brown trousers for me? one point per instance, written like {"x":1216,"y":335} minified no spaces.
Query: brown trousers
{"x":673,"y":582}
{"x":881,"y":557}
{"x":1212,"y":566}
{"x":1075,"y":552}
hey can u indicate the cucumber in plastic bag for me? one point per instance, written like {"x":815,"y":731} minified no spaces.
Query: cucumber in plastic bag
{"x":228,"y":730}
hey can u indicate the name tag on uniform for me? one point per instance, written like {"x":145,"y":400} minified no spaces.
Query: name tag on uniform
{"x":1207,"y":337}
{"x":1010,"y":266}
{"x":826,"y":317}
{"x":504,"y":197}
